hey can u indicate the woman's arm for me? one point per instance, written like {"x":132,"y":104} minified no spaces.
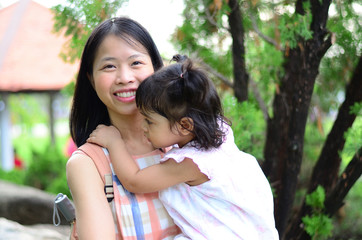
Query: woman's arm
{"x":93,"y":214}
{"x":150,"y":179}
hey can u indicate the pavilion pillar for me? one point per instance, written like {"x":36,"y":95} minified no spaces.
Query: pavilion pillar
{"x":51,"y":117}
{"x":7,"y":152}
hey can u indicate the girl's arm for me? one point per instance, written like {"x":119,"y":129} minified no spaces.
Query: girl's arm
{"x":93,"y":214}
{"x":150,"y":179}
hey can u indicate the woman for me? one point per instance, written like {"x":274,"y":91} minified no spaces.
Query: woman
{"x":117,"y":57}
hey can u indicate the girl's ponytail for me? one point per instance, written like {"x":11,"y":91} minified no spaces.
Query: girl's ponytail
{"x":179,"y":58}
{"x":186,"y":64}
{"x":186,"y":69}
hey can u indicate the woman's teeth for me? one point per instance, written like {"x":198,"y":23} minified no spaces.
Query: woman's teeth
{"x":126,"y":94}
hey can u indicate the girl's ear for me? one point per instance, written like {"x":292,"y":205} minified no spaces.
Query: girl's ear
{"x":186,"y":125}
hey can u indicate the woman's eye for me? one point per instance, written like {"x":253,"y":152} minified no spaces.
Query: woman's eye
{"x":136,"y":63}
{"x":148,"y":121}
{"x":108,"y":66}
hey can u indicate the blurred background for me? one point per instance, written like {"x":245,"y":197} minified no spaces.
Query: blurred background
{"x":289,"y":74}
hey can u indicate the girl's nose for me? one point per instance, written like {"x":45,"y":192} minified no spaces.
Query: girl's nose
{"x":144,"y":126}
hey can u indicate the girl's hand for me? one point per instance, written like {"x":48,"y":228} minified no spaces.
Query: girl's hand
{"x":105,"y":136}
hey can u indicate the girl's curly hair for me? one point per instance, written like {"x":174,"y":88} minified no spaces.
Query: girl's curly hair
{"x":183,"y":90}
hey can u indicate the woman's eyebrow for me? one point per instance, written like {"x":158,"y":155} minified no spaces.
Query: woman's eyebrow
{"x":114,"y":58}
{"x":138,"y":55}
{"x":107,"y":59}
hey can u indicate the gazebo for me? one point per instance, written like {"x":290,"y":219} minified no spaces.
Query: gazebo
{"x":29,"y":63}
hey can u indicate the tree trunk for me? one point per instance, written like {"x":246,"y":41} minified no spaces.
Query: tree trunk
{"x":285,"y":131}
{"x":325,"y":172}
{"x":351,"y":174}
{"x":241,"y":77}
{"x":334,"y":200}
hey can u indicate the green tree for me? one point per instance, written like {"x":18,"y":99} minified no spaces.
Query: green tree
{"x":77,"y":19}
{"x":285,"y":48}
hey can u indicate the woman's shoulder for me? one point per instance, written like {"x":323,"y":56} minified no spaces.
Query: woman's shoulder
{"x":77,"y":159}
{"x":79,"y":165}
{"x":82,"y":173}
{"x":81,"y":162}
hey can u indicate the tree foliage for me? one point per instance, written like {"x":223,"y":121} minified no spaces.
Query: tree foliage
{"x":317,"y":225}
{"x":77,"y":19}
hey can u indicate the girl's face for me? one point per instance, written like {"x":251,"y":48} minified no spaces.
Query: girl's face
{"x":118,"y":69}
{"x":159,"y":132}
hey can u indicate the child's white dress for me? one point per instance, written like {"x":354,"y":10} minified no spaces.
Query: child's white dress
{"x":236,"y":203}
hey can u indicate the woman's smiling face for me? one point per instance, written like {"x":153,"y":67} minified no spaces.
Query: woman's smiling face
{"x":118,"y":69}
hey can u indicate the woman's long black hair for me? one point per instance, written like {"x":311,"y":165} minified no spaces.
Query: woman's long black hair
{"x":87,"y":109}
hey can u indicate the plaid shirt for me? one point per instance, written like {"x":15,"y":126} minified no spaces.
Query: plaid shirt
{"x":138,"y":216}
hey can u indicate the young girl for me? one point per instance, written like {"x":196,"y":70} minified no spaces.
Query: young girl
{"x":210,"y":188}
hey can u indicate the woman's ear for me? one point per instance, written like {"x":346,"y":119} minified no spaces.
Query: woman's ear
{"x":186,"y":125}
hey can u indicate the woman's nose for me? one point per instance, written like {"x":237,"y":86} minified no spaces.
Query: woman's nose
{"x":124,"y":76}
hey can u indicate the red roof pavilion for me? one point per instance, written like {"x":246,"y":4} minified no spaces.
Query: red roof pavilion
{"x":29,"y":62}
{"x":29,"y":50}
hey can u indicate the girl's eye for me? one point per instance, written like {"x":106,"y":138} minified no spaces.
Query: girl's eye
{"x":148,"y":121}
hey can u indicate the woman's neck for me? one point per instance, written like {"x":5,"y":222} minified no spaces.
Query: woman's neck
{"x":132,"y":133}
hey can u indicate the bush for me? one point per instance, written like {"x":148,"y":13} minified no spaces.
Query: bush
{"x":45,"y":168}
{"x":15,"y":176}
{"x":248,"y":125}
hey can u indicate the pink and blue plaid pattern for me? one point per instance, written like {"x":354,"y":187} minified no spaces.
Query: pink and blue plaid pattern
{"x":141,"y":216}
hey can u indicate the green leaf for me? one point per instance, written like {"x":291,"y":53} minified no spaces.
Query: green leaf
{"x":318,"y":226}
{"x":316,"y":198}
